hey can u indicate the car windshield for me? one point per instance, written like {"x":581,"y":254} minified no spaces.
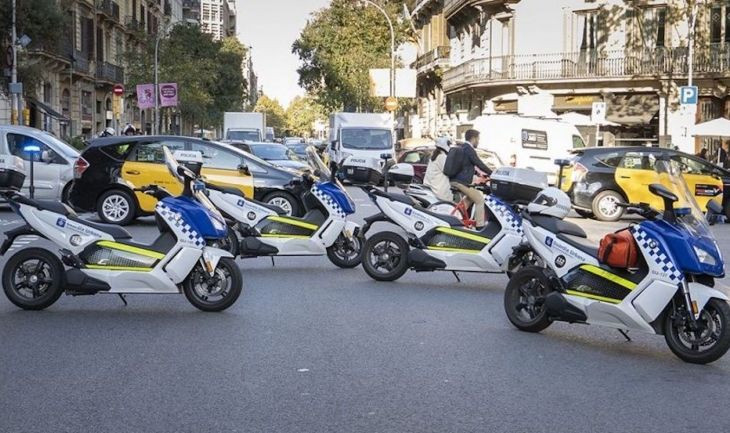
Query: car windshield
{"x":251,"y":135}
{"x":367,"y":139}
{"x":299,"y":149}
{"x":274,"y":152}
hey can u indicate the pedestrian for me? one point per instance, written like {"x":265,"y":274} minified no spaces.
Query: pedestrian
{"x":702,"y":153}
{"x":464,"y":177}
{"x":722,"y":155}
{"x":129,"y":129}
{"x":435,"y":177}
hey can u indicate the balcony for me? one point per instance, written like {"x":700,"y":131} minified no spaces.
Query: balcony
{"x":438,"y":57}
{"x":108,"y":8}
{"x":132,"y":24}
{"x":81,"y":62}
{"x":585,"y":66}
{"x":452,"y":7}
{"x":110,"y":73}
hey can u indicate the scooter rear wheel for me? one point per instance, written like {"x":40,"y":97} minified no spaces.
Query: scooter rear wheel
{"x":214,"y":293}
{"x":385,"y":256}
{"x":345,"y":253}
{"x":524,"y":299}
{"x":709,"y":342}
{"x":32,"y":278}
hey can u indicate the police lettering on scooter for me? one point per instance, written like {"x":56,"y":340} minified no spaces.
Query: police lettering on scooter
{"x":657,"y":276}
{"x":100,"y":258}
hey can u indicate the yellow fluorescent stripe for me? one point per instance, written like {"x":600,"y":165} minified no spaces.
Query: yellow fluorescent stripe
{"x":293,"y":222}
{"x":285,"y":236}
{"x":609,"y":276}
{"x":131,"y":249}
{"x":453,"y":250}
{"x":118,"y":268}
{"x":591,"y":296}
{"x":461,"y":234}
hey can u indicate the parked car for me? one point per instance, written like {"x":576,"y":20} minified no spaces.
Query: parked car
{"x":600,"y":177}
{"x":113,"y":167}
{"x":277,"y":154}
{"x":293,"y":140}
{"x":419,"y":158}
{"x":53,"y":170}
{"x":299,"y":149}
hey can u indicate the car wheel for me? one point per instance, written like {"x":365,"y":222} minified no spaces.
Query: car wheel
{"x":285,"y":201}
{"x":116,"y":207}
{"x":66,"y":194}
{"x":605,"y":206}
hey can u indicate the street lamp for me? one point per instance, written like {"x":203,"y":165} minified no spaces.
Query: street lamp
{"x":392,"y":42}
{"x":160,"y":32}
{"x":32,"y":149}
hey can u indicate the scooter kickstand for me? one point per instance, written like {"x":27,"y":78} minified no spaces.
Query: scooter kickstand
{"x":456,"y":276}
{"x":625,"y":334}
{"x":121,"y":296}
{"x":273,"y":264}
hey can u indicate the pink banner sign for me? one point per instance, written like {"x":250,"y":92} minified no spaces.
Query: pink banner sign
{"x":146,"y":96}
{"x":168,"y":95}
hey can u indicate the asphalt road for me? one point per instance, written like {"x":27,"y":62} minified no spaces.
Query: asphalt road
{"x":312,"y":348}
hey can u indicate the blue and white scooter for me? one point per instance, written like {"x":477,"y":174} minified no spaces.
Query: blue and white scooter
{"x":670,"y":290}
{"x":105,"y":259}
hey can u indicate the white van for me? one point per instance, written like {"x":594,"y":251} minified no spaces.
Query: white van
{"x":534,"y":142}
{"x":53,"y":168}
{"x":357,"y":141}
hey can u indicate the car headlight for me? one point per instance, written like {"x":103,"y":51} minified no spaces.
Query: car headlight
{"x":704,"y":257}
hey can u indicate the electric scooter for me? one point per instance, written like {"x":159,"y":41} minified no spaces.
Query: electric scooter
{"x":436,"y":241}
{"x":265,"y":230}
{"x":104,"y":258}
{"x":670,"y":288}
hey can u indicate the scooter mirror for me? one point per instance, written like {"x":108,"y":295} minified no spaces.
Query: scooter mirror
{"x":386,"y":155}
{"x":714,"y":207}
{"x":562,"y":162}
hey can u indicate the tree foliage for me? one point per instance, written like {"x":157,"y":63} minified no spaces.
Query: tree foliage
{"x":208,"y":72}
{"x":301,"y":114}
{"x":275,"y":115}
{"x":337,"y":48}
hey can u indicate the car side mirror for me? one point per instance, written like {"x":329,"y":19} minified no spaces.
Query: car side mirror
{"x":243,"y":168}
{"x":714,"y":207}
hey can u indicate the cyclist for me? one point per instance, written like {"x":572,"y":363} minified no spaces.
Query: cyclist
{"x":435,"y":177}
{"x":465,"y":176}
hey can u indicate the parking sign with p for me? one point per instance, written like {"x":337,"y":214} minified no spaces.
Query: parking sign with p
{"x":688,"y":95}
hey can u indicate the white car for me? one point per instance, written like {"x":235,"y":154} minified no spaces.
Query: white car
{"x":53,"y":168}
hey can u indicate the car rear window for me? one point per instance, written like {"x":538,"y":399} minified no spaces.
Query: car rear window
{"x":612,"y":159}
{"x":117,"y":151}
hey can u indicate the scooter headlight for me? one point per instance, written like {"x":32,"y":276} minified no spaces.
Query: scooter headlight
{"x":704,"y":257}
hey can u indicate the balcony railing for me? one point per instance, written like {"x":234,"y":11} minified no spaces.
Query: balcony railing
{"x":108,"y":8}
{"x":132,"y":24}
{"x":107,"y":72}
{"x":587,"y":65}
{"x":432,"y":58}
{"x":453,"y":6}
{"x":81,"y":62}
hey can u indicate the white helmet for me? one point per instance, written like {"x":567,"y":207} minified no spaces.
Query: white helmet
{"x":443,"y":143}
{"x":550,"y":202}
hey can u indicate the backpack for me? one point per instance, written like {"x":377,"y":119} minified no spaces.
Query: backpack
{"x":619,"y":250}
{"x":454,"y":161}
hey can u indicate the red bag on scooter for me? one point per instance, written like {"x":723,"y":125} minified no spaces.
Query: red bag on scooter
{"x":619,"y":250}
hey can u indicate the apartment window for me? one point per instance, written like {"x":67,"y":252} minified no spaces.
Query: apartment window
{"x":86,"y":105}
{"x":47,"y":93}
{"x":586,"y":36}
{"x":716,"y":16}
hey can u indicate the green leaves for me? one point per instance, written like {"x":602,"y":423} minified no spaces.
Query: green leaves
{"x":301,"y":114}
{"x":275,"y":115}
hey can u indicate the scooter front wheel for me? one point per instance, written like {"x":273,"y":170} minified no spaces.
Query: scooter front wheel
{"x":217,"y":292}
{"x":385,"y":256}
{"x":32,"y":278}
{"x":524,"y":299}
{"x":704,"y":341}
{"x":345,"y":253}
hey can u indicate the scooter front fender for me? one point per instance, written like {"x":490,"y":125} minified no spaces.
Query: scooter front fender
{"x":351,"y":229}
{"x":701,"y":294}
{"x":212,"y":256}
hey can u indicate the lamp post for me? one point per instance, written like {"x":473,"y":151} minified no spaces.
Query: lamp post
{"x":14,"y":70}
{"x":32,"y":150}
{"x":160,"y":32}
{"x":392,"y":43}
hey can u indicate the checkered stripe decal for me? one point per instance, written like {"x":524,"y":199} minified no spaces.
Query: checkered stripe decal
{"x":654,"y":251}
{"x":327,"y":200}
{"x":504,"y":212}
{"x":176,"y":221}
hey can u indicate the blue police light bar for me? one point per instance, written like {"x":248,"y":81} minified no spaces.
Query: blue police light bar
{"x":32,"y":148}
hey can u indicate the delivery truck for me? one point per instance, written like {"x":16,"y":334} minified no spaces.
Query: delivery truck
{"x":244,"y":126}
{"x":357,"y":141}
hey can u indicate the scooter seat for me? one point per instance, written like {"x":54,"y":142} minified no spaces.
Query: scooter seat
{"x":583,"y":244}
{"x":279,"y":211}
{"x":558,"y":226}
{"x":449,"y":219}
{"x":114,"y":231}
{"x":401,"y":198}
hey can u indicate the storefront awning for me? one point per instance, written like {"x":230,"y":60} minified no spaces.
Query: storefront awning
{"x":632,"y":109}
{"x":48,"y":110}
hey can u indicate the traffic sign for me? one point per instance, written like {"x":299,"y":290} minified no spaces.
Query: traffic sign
{"x":118,"y":90}
{"x":391,"y":103}
{"x":688,"y":95}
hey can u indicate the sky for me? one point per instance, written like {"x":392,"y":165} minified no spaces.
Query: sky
{"x":271,"y":27}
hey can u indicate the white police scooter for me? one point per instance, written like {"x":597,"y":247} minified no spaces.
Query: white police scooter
{"x":667,"y":287}
{"x":265,"y":230}
{"x":105,"y":259}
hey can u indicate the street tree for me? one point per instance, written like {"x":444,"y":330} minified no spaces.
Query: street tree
{"x":275,"y":115}
{"x":301,"y":114}
{"x":338,"y":47}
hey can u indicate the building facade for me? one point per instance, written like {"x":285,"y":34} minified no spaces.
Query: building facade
{"x":218,"y":18}
{"x":80,"y":70}
{"x":630,"y":54}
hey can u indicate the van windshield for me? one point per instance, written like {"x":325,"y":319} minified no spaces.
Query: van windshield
{"x":367,"y":139}
{"x":578,"y":142}
{"x":241,"y":135}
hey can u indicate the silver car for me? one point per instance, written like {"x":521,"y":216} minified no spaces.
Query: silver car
{"x":53,"y":168}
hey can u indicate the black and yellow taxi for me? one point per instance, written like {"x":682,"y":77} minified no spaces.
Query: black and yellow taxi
{"x":111,"y":168}
{"x":599,"y":178}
